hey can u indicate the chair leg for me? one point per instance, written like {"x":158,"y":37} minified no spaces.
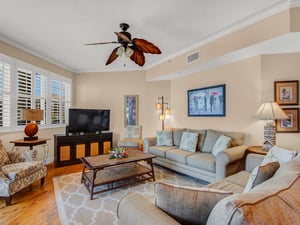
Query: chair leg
{"x":42,"y":181}
{"x":8,"y":200}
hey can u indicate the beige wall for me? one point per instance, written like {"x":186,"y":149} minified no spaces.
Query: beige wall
{"x":107,"y":90}
{"x":276,"y":68}
{"x":243,"y":83}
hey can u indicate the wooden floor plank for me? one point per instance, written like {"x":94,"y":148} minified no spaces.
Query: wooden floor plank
{"x":36,"y":205}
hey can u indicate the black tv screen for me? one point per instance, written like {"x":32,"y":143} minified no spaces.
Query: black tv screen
{"x":88,"y":120}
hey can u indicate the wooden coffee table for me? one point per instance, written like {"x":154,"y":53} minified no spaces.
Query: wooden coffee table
{"x":115,"y":173}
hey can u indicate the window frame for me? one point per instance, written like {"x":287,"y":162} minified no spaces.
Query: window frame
{"x":46,"y":123}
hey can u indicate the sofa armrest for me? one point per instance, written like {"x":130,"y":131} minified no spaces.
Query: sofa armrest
{"x":148,"y":141}
{"x":230,"y":161}
{"x":253,"y":160}
{"x":137,"y":209}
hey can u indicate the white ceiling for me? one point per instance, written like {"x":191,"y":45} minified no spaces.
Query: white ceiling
{"x":56,"y":30}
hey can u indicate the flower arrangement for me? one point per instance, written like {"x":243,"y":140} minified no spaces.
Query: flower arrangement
{"x":118,"y":153}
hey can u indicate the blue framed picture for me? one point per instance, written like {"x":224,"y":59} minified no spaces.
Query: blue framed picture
{"x":208,"y":101}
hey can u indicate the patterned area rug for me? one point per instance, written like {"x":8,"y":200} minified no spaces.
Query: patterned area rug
{"x":75,"y":207}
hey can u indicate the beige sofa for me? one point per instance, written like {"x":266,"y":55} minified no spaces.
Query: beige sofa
{"x":200,"y":163}
{"x":275,"y":201}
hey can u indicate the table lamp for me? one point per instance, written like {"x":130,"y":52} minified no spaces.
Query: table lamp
{"x":32,"y":128}
{"x":270,"y":111}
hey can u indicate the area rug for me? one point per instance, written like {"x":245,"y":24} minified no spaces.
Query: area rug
{"x":75,"y":207}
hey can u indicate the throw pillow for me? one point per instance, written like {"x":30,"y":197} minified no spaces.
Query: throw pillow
{"x":210,"y":139}
{"x":164,"y":138}
{"x":133,"y":131}
{"x":279,"y":154}
{"x":186,"y":204}
{"x":189,"y":141}
{"x":221,"y":144}
{"x":4,"y":159}
{"x":260,"y":174}
{"x":177,"y":134}
{"x":201,"y":137}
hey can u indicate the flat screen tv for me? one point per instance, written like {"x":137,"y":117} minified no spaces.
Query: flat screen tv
{"x":88,"y":120}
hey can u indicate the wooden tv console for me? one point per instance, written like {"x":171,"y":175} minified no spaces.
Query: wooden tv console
{"x":68,"y":149}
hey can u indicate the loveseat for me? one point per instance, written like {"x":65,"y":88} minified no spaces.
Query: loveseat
{"x":274,"y":198}
{"x":209,"y":154}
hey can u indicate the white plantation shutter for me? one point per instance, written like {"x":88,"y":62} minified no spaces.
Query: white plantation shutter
{"x":24,"y":92}
{"x":41,"y":94}
{"x":25,"y":86}
{"x":5,"y":92}
{"x":55,"y":101}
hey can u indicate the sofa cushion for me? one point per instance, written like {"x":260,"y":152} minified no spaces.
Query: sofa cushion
{"x":4,"y":159}
{"x":189,"y":141}
{"x":178,"y":155}
{"x":260,"y":174}
{"x":201,"y":137}
{"x":177,"y":133}
{"x":221,"y":144}
{"x":164,"y":138}
{"x":210,"y":139}
{"x":279,"y":154}
{"x":186,"y":204}
{"x":160,"y":150}
{"x":204,"y":161}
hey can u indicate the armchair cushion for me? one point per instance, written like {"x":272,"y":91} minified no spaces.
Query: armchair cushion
{"x":17,"y":171}
{"x":133,"y":131}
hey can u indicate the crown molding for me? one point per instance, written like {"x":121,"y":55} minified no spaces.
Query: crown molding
{"x":36,"y":54}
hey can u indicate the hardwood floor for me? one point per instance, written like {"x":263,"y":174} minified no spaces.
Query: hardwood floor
{"x":36,"y":205}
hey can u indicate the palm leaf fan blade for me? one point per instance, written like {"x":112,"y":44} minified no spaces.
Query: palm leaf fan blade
{"x":137,"y":56}
{"x":112,"y":56}
{"x":146,"y":46}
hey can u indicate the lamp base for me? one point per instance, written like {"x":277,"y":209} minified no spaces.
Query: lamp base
{"x":269,"y":136}
{"x":31,"y":138}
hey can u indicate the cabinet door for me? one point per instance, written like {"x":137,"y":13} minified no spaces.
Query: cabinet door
{"x":94,"y":148}
{"x":64,"y":153}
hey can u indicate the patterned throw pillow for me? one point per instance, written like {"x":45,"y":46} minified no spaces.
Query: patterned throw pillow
{"x":221,"y":144}
{"x":164,"y":138}
{"x":4,"y":159}
{"x":189,"y":141}
{"x":260,"y":174}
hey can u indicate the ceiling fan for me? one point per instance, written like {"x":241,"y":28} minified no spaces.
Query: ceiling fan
{"x":132,"y":48}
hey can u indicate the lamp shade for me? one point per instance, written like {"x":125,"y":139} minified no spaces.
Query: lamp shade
{"x":33,"y":114}
{"x":270,"y":111}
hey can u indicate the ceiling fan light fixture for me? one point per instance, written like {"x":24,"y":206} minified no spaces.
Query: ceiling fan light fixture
{"x":121,"y":51}
{"x":129,"y":52}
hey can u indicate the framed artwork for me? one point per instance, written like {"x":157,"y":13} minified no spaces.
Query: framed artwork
{"x":131,"y":103}
{"x":290,"y":125}
{"x":208,"y":101}
{"x":286,"y":92}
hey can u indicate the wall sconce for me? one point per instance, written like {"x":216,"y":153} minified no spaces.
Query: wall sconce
{"x":164,"y":110}
{"x":32,"y":128}
{"x":270,"y":112}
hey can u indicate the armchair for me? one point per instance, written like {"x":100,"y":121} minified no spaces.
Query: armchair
{"x":18,"y":171}
{"x":133,"y":138}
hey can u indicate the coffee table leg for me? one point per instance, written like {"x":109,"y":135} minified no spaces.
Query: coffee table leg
{"x":83,"y":170}
{"x":93,"y":184}
{"x":152,"y":169}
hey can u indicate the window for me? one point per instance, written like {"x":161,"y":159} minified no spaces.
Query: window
{"x":26,"y":86}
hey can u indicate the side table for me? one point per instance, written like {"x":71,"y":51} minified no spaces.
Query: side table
{"x":31,"y":143}
{"x":256,"y":149}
